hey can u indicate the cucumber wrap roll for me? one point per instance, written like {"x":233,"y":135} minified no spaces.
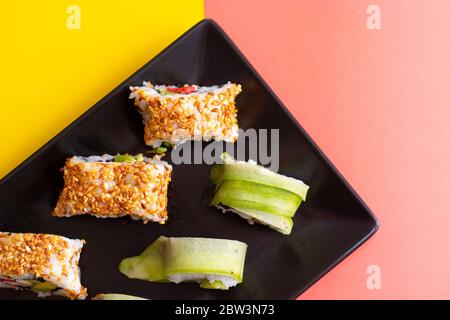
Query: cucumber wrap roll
{"x":175,"y":114}
{"x":213,"y":263}
{"x":114,"y":186}
{"x":43,"y":263}
{"x":256,"y":193}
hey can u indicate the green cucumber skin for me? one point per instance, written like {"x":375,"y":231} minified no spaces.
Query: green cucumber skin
{"x":124,"y":158}
{"x":43,"y":286}
{"x":250,"y":195}
{"x":244,"y":171}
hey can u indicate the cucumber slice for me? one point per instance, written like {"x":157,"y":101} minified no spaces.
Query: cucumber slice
{"x":217,"y":261}
{"x":165,"y":92}
{"x":116,"y":296}
{"x":248,"y":171}
{"x":159,"y":150}
{"x":43,"y":286}
{"x":124,"y":158}
{"x":279,"y":223}
{"x":254,"y":196}
{"x":147,"y":266}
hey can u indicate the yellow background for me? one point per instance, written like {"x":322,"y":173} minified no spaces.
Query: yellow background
{"x":50,"y":74}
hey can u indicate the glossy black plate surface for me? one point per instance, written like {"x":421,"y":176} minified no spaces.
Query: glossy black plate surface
{"x":328,"y":226}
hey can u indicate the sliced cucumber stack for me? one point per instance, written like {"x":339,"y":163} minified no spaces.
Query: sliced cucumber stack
{"x":255,"y":196}
{"x":213,"y":263}
{"x":256,"y":193}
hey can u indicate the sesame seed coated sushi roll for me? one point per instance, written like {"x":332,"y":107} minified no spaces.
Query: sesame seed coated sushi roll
{"x":46,"y":264}
{"x":114,"y":186}
{"x":175,"y":114}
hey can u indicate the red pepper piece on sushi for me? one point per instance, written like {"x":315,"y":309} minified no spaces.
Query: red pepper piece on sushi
{"x":182,"y":90}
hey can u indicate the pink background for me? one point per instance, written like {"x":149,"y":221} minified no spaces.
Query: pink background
{"x":378,"y":103}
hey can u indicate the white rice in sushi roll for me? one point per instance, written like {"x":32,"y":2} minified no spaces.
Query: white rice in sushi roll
{"x":46,"y":264}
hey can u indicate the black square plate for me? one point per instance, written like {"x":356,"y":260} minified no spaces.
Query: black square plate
{"x":331,"y":224}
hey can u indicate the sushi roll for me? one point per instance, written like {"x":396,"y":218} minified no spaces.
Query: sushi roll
{"x":257,"y":194}
{"x":213,"y":263}
{"x":114,"y":186}
{"x":174,"y":114}
{"x":44,"y":263}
